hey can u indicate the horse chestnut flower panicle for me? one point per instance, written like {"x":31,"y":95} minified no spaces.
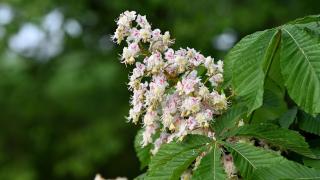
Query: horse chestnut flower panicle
{"x":172,"y":94}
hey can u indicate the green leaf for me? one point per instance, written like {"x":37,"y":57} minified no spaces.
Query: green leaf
{"x":273,"y":104}
{"x":248,"y":158}
{"x":229,"y":119}
{"x":315,"y":163}
{"x":310,"y":124}
{"x":300,"y":67}
{"x":143,"y":153}
{"x":283,"y":138}
{"x":287,"y":118}
{"x":140,"y":177}
{"x":233,"y":54}
{"x":307,"y":19}
{"x":210,"y":167}
{"x":309,"y":23}
{"x":286,"y":170}
{"x":250,"y":60}
{"x":172,"y":159}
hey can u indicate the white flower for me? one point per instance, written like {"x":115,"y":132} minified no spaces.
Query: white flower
{"x":220,"y":66}
{"x":204,"y":92}
{"x":158,"y":142}
{"x":167,"y":119}
{"x":167,"y":90}
{"x":216,"y":79}
{"x":204,"y":117}
{"x":134,"y":35}
{"x":181,"y":62}
{"x":166,"y":39}
{"x":147,"y":134}
{"x":145,"y":35}
{"x":154,"y":63}
{"x":150,"y":118}
{"x":188,"y":83}
{"x":129,"y":53}
{"x":169,"y":55}
{"x":190,"y":105}
{"x":157,"y":89}
{"x":229,"y":166}
{"x":156,"y":34}
{"x":139,"y":70}
{"x":195,"y":57}
{"x":133,"y":116}
{"x":209,"y":64}
{"x":192,"y":123}
{"x":98,"y":177}
{"x":219,"y":101}
{"x":142,"y":22}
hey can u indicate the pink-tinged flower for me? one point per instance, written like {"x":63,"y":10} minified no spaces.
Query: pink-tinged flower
{"x":154,"y":63}
{"x":216,"y":79}
{"x":219,"y":101}
{"x":181,"y":52}
{"x":190,"y":105}
{"x":181,"y":127}
{"x":137,"y":97}
{"x":145,"y":35}
{"x":186,"y":107}
{"x":157,"y":90}
{"x":142,"y":22}
{"x":191,"y":123}
{"x":156,"y":34}
{"x":134,"y":35}
{"x":158,"y":142}
{"x":147,"y":134}
{"x":134,"y":48}
{"x":169,"y":55}
{"x":197,"y":59}
{"x":131,"y":15}
{"x":150,"y":117}
{"x":172,"y":103}
{"x":229,"y":166}
{"x":126,"y":18}
{"x":139,"y":70}
{"x":188,"y":84}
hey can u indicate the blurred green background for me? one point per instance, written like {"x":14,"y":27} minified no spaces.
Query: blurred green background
{"x":63,"y":93}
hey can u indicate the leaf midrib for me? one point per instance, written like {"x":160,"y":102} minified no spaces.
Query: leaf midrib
{"x":303,"y":52}
{"x":243,"y":157}
{"x":214,"y":161}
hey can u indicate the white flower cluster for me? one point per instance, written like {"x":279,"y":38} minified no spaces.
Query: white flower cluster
{"x":175,"y":92}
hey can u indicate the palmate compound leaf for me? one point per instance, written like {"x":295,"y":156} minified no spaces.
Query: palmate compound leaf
{"x":300,"y":67}
{"x":143,"y":153}
{"x":173,"y":158}
{"x":260,"y":164}
{"x":247,"y":63}
{"x":210,"y":167}
{"x":283,"y":138}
